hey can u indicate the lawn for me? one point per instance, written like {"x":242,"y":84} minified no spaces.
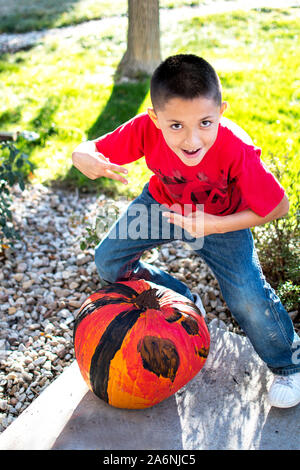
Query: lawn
{"x":64,"y":88}
{"x":27,"y":15}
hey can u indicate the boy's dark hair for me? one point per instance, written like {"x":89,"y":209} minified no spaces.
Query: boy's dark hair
{"x":184,"y":76}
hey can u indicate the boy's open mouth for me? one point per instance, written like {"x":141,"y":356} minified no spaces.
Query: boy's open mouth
{"x":191,"y":153}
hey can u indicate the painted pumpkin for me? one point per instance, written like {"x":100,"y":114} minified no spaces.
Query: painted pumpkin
{"x":137,"y":343}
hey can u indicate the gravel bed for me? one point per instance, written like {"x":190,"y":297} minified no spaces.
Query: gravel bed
{"x":46,"y":277}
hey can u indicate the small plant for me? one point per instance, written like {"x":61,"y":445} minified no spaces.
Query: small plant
{"x":277,"y":242}
{"x":290,"y":295}
{"x":14,"y":165}
{"x":108,"y":213}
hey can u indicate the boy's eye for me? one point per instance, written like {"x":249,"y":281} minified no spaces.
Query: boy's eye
{"x":176,"y":126}
{"x":205,"y":123}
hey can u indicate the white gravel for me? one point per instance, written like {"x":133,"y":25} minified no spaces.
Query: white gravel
{"x":46,"y":277}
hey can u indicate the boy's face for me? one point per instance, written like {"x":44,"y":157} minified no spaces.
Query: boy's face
{"x":189,"y":127}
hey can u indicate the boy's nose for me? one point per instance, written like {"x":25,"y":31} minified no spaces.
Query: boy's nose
{"x":192,"y":141}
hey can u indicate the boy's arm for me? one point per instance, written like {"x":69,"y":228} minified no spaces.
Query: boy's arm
{"x":200,"y":224}
{"x":105,"y":155}
{"x":94,"y":164}
{"x":248,"y":218}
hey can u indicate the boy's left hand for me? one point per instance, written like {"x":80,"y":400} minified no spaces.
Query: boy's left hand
{"x":198,"y":224}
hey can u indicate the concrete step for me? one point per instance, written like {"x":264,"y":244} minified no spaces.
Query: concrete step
{"x":224,"y":407}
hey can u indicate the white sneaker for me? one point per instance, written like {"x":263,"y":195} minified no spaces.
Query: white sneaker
{"x":199,"y":304}
{"x":285,"y":391}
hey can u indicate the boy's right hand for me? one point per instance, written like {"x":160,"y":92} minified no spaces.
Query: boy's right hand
{"x":94,"y":165}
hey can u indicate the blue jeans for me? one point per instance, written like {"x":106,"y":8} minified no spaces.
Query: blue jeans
{"x":233,"y":260}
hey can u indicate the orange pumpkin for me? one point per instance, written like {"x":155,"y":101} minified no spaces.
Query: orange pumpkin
{"x":137,"y":343}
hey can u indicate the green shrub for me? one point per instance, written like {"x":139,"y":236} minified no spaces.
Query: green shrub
{"x":108,"y":212}
{"x":290,"y":295}
{"x":277,"y":242}
{"x":14,"y":167}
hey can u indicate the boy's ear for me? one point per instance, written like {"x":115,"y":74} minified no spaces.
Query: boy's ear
{"x":223,"y":107}
{"x":153,"y":117}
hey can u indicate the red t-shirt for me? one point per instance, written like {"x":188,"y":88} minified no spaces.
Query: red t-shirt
{"x":230,"y":177}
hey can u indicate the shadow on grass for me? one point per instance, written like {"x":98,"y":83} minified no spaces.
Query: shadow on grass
{"x":123,"y":104}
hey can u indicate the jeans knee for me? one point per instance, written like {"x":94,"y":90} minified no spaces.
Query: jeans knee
{"x":253,"y":311}
{"x":104,"y":263}
{"x":244,"y":302}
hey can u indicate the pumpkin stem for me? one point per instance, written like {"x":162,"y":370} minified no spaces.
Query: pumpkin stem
{"x":147,"y":299}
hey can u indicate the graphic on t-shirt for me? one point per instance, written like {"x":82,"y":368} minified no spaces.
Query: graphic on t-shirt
{"x":176,"y":179}
{"x":218,"y":196}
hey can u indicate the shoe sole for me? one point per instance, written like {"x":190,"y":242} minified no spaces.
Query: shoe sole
{"x":290,"y":405}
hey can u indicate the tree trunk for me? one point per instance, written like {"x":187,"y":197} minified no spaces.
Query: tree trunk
{"x":143,"y":39}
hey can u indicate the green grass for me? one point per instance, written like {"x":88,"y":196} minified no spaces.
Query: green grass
{"x":64,"y":88}
{"x":28,"y":15}
{"x":22,"y":16}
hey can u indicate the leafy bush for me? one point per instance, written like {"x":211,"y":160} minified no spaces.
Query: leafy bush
{"x":14,"y":166}
{"x":290,"y":295}
{"x":277,"y":242}
{"x":108,"y":212}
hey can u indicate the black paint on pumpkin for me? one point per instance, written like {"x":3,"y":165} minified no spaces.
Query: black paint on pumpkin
{"x":159,"y":356}
{"x":148,"y":299}
{"x":115,"y":288}
{"x":119,"y":288}
{"x":110,"y":342}
{"x":202,"y":352}
{"x":190,"y":325}
{"x":176,"y":315}
{"x":92,"y":306}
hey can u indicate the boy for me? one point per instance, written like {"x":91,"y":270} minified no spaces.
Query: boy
{"x":199,"y":160}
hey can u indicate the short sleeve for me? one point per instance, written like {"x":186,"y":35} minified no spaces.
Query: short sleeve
{"x":125,"y":144}
{"x":259,"y":187}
